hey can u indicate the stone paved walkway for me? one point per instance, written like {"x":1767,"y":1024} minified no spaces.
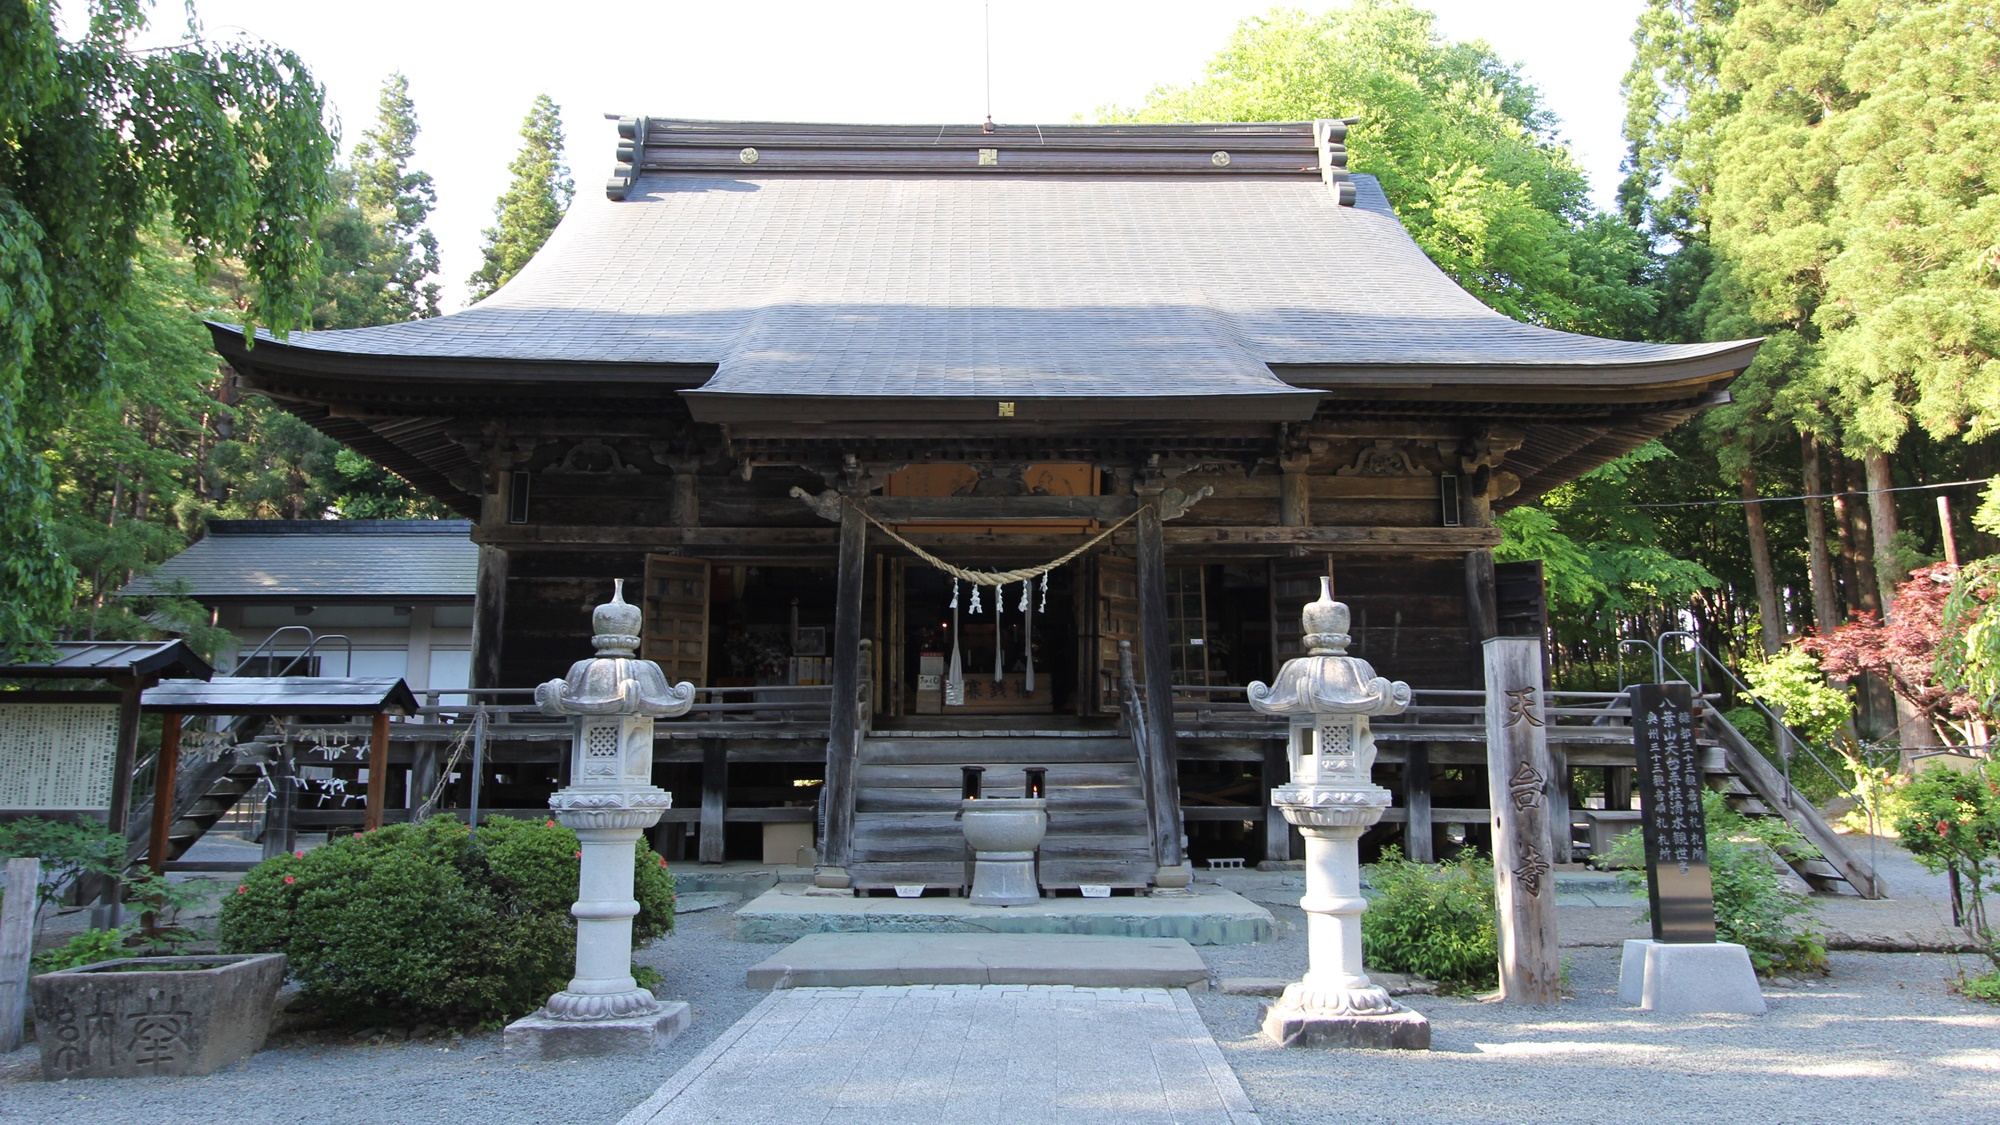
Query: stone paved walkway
{"x":964,"y":1054}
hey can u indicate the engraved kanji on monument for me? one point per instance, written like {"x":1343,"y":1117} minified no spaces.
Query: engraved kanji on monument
{"x":1527,"y":815}
{"x":1676,"y":833}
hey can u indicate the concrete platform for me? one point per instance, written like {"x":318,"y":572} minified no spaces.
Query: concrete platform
{"x":968,"y":1055}
{"x":1208,"y":916}
{"x":546,"y":1038}
{"x":858,"y":960}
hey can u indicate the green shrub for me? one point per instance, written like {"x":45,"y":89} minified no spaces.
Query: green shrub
{"x":1950,"y":822}
{"x":431,"y":922}
{"x":1752,"y":906}
{"x":1985,"y":988}
{"x":1437,"y":921}
{"x":86,"y":948}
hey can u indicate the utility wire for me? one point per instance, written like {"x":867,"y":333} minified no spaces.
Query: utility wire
{"x":1811,"y":496}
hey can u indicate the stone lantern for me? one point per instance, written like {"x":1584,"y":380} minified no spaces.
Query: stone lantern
{"x":1328,"y":696}
{"x":613,"y":699}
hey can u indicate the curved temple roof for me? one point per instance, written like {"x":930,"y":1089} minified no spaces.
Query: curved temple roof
{"x":1204,"y":272}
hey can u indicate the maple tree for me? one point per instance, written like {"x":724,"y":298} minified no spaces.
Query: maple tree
{"x":1904,"y":651}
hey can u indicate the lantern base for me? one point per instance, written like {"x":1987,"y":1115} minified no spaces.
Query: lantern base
{"x":542,"y":1037}
{"x":1399,"y":1029}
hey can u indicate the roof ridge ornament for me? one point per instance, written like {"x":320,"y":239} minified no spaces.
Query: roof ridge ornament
{"x":1330,"y":138}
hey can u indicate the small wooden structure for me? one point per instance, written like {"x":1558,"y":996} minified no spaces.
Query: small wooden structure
{"x":298,"y":697}
{"x":776,"y":359}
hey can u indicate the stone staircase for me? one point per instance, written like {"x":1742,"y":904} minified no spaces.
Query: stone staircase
{"x":906,"y":830}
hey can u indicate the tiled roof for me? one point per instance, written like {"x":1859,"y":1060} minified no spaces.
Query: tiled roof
{"x":921,"y":284}
{"x":427,"y":559}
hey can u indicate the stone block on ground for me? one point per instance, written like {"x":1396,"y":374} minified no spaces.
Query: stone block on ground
{"x":1252,"y":986}
{"x":155,"y":1017}
{"x":870,"y":959}
{"x":1689,"y":979}
{"x":541,"y":1037}
{"x":1400,"y":1030}
{"x":1208,"y":915}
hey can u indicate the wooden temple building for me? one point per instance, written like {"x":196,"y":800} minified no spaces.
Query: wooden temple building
{"x":774,"y":360}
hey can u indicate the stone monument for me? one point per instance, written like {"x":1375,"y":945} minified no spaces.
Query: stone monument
{"x":613,"y":699}
{"x":1328,"y":696}
{"x":1682,"y":969}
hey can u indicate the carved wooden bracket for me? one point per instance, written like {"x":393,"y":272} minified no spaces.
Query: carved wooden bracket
{"x":1384,"y":458}
{"x":1174,"y":503}
{"x":826,"y":505}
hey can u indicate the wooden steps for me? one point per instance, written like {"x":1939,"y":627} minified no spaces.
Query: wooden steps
{"x":906,"y":829}
{"x":1754,"y":787}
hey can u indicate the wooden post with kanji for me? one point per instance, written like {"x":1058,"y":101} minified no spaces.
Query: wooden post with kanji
{"x":1522,"y":788}
{"x":1676,"y":832}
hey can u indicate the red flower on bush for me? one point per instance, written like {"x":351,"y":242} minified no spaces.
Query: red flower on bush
{"x":290,"y":879}
{"x":1944,"y":827}
{"x":579,"y":853}
{"x":244,"y":889}
{"x":300,"y":854}
{"x":663,"y":861}
{"x":550,"y":824}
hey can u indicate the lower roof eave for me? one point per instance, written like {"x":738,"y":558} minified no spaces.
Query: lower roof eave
{"x":1274,"y":406}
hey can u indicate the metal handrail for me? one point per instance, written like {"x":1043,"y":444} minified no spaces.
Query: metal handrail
{"x":1788,"y":736}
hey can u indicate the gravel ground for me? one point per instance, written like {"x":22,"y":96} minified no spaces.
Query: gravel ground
{"x":329,"y":1080}
{"x":1882,"y":1039}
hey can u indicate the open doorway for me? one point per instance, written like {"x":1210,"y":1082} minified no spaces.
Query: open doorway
{"x":1013,"y":661}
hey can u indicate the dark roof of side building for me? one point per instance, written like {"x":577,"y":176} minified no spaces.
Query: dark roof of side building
{"x":1190,"y":272}
{"x":322,"y":561}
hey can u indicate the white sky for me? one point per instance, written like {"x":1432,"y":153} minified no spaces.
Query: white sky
{"x":474,"y":67}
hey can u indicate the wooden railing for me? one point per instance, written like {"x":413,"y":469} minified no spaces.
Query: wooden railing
{"x":1434,"y":715}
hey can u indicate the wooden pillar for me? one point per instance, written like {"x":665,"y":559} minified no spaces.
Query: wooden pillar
{"x":1163,"y":756}
{"x":837,"y":849}
{"x":423,"y":774}
{"x":1482,"y":607}
{"x":17,"y":947}
{"x":1618,"y":788}
{"x":279,"y":835}
{"x":489,"y":615}
{"x":1294,"y":493}
{"x":378,"y":772}
{"x":1278,"y":831}
{"x":165,"y":774}
{"x":104,"y":891}
{"x":1521,"y":789}
{"x":1559,"y":826}
{"x":1418,"y":837}
{"x":714,"y":797}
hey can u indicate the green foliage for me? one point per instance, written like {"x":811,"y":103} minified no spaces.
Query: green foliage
{"x":1438,"y":921}
{"x":1461,"y":143}
{"x":68,"y":851}
{"x":430,"y":922}
{"x":1985,"y":987}
{"x":1792,"y":683}
{"x":1968,"y":655}
{"x":1605,"y":561}
{"x":225,"y":139}
{"x":1752,"y":906}
{"x":533,"y":204}
{"x":1951,"y":823}
{"x":398,"y":200}
{"x":86,"y":948}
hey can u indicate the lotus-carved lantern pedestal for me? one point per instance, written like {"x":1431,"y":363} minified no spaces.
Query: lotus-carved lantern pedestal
{"x":612,"y":699}
{"x":1328,"y":696}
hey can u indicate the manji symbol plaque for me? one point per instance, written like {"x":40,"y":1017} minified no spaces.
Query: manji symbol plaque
{"x":57,"y":755}
{"x":1676,"y":833}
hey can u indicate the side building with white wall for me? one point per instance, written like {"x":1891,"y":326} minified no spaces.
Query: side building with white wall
{"x":364,"y":598}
